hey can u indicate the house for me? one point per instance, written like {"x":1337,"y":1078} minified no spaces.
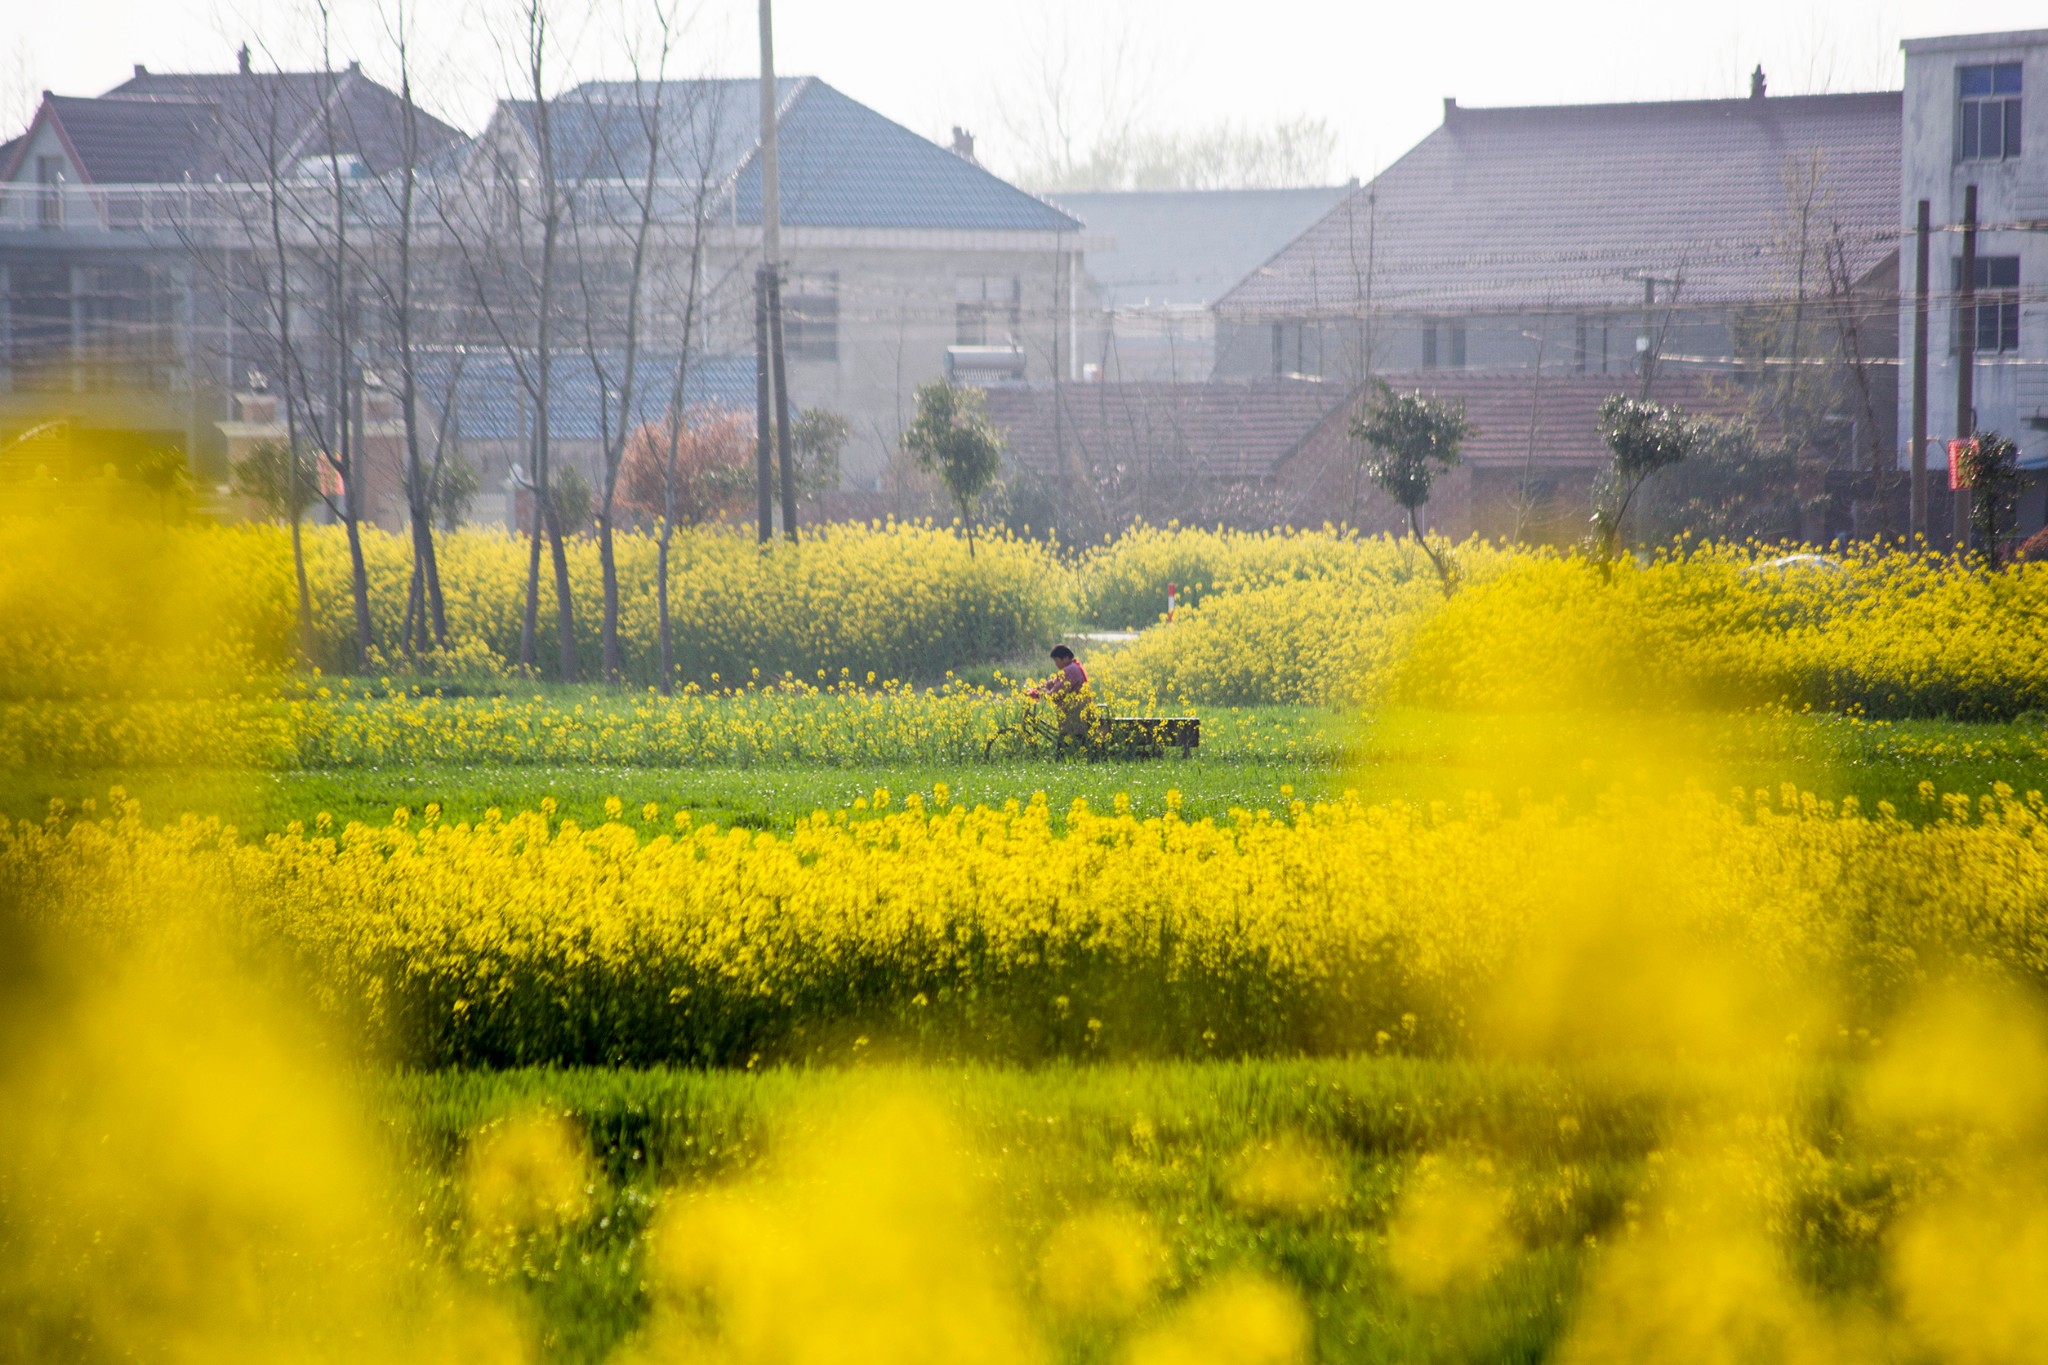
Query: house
{"x":1739,"y":254}
{"x":1588,"y":235}
{"x":1157,"y":262}
{"x":124,"y":226}
{"x":1738,"y":257}
{"x":1970,"y":122}
{"x":903,"y":260}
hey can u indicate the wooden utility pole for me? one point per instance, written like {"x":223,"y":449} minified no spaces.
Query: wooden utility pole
{"x":1966,"y":359}
{"x":782,"y":434}
{"x":768,"y":309}
{"x":764,"y":430}
{"x":1917,"y":522}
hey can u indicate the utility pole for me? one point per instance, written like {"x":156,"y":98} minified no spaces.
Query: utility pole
{"x":1966,"y":359}
{"x":764,"y":473}
{"x":1917,"y":521}
{"x":770,"y":307}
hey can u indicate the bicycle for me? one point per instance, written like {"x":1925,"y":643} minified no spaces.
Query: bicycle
{"x":1038,"y":727}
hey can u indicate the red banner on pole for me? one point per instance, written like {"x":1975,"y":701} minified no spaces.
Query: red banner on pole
{"x":1958,"y":474}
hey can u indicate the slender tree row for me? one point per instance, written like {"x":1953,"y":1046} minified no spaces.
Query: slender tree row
{"x":379,"y":268}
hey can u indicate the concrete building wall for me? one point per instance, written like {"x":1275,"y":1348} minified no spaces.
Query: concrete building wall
{"x":1577,"y":343}
{"x":2011,"y":386}
{"x":898,"y":310}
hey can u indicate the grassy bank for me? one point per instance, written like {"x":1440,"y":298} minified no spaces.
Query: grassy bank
{"x":1180,"y":1145}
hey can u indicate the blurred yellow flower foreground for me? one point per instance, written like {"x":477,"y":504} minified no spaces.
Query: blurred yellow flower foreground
{"x":1673,"y":1074}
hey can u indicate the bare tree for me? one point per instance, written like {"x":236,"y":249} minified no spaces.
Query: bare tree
{"x":631,"y":154}
{"x":704,"y":118}
{"x":255,"y":273}
{"x":344,"y":452}
{"x":424,"y":605}
{"x":507,"y":234}
{"x":1846,"y":308}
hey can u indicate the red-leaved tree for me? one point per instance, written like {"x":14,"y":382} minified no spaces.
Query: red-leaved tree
{"x":683,"y":472}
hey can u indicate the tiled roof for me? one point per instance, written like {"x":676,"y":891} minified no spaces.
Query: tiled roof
{"x":1573,"y":206}
{"x":708,"y":127}
{"x":841,"y":163}
{"x":844,"y":165}
{"x":1187,"y":247}
{"x":1551,"y":420}
{"x":288,"y":111}
{"x":1222,"y":429}
{"x":122,"y":143}
{"x":491,"y":404}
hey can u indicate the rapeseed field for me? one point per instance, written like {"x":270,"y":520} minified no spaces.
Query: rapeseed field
{"x":1521,"y":1022}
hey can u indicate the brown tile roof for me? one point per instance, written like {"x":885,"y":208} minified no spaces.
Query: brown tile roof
{"x":281,"y":115}
{"x":1551,"y":420}
{"x":1572,"y":206}
{"x":123,"y":143}
{"x":1221,"y":430}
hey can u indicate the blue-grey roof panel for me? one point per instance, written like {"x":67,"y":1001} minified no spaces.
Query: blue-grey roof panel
{"x":492,"y":403}
{"x":844,"y":165}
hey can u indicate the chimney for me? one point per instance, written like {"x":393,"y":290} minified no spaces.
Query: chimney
{"x":141,"y":70}
{"x":1756,"y":82}
{"x":242,"y":59}
{"x":963,"y":143}
{"x":1450,"y":107}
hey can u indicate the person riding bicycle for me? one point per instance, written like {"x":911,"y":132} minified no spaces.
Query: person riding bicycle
{"x":1068,"y":690}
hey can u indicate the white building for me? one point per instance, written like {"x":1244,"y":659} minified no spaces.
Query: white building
{"x":1970,"y":120}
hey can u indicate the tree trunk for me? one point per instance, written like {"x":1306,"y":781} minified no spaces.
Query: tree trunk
{"x":530,"y":620}
{"x":359,"y":588}
{"x":299,"y":574}
{"x":565,"y":610}
{"x":610,"y":573}
{"x":668,"y":656}
{"x":1443,"y":572}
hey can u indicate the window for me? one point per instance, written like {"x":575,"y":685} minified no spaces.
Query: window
{"x":988,"y":310}
{"x":1429,"y":346}
{"x":1290,"y":348}
{"x":50,"y":194}
{"x":1988,"y":112}
{"x":1457,"y":345}
{"x":810,"y":315}
{"x":1998,"y":303}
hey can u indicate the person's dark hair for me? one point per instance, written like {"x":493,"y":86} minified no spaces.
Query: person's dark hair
{"x":1062,"y":653}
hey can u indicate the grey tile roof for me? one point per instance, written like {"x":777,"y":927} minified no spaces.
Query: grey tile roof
{"x":1188,"y":247}
{"x":1571,"y":206}
{"x":707,"y":127}
{"x":1221,"y":429}
{"x":491,"y":404}
{"x":160,"y":127}
{"x":842,"y":164}
{"x":291,"y":111}
{"x":122,"y":143}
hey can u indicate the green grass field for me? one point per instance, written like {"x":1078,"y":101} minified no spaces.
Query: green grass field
{"x":1166,"y":1140}
{"x":1417,"y":757}
{"x":1571,"y":1151}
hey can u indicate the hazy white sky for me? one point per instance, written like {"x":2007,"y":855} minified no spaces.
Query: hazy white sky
{"x":1376,"y":71}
